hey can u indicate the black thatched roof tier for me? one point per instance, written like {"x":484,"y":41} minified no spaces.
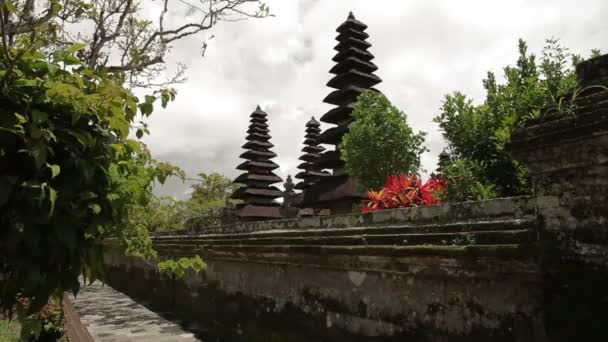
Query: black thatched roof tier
{"x":257,"y":137}
{"x":247,"y":178}
{"x":257,"y":155}
{"x":257,"y":193}
{"x":339,"y":114}
{"x":353,"y":63}
{"x":257,"y":144}
{"x":250,"y":164}
{"x":347,"y":41}
{"x":345,"y":96}
{"x":257,"y":130}
{"x":354,"y":77}
{"x":348,"y":33}
{"x":334,"y":135}
{"x":352,"y":52}
{"x":313,"y":149}
{"x":329,"y":160}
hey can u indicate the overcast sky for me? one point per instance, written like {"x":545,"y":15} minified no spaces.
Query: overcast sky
{"x":424,"y":49}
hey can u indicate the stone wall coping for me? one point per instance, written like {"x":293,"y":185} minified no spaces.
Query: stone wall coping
{"x":556,"y":130}
{"x":510,"y":207}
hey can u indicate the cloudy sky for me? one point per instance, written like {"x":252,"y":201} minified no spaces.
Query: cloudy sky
{"x":424,"y":49}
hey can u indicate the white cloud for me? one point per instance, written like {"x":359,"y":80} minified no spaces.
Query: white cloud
{"x":424,"y":49}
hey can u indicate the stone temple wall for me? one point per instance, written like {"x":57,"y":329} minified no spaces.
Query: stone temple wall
{"x":458,"y":271}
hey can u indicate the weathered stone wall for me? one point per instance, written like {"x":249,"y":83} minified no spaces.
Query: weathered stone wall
{"x":436,"y":214}
{"x":74,"y":329}
{"x":341,"y":289}
{"x":567,"y":159}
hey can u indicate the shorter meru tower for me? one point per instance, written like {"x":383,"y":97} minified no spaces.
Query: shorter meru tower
{"x":257,"y":193}
{"x":311,"y":173}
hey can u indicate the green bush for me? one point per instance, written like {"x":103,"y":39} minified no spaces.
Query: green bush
{"x":480,"y":133}
{"x":463,"y":182}
{"x":69,"y":173}
{"x":380,"y":142}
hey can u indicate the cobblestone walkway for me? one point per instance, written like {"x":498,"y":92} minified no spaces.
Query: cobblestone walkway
{"x":110,"y":315}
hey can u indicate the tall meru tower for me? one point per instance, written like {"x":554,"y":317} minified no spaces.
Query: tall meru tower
{"x":354,"y":73}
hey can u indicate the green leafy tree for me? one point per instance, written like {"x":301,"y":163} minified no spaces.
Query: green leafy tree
{"x":465,"y":182}
{"x":213,"y":187}
{"x":478,"y":134}
{"x":380,"y":142}
{"x":70,"y":175}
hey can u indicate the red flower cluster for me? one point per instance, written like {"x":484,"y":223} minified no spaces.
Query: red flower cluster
{"x":402,"y":191}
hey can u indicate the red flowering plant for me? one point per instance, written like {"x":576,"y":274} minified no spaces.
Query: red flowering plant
{"x":404,"y":191}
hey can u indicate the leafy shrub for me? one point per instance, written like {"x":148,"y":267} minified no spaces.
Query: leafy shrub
{"x":480,"y":133}
{"x":463,"y":182}
{"x":404,"y":191}
{"x":180,"y":267}
{"x":380,"y":142}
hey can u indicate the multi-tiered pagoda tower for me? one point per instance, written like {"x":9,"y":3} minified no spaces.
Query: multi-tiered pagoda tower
{"x":311,"y":173}
{"x":354,"y":74}
{"x":257,"y":192}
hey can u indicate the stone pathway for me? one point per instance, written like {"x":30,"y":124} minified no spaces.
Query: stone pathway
{"x":112,"y":316}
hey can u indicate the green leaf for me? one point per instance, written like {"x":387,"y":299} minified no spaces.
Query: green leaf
{"x":52,"y":68}
{"x":120,"y":124}
{"x":146,"y":108}
{"x":150,"y":99}
{"x":71,"y":60}
{"x":22,"y":119}
{"x":139,"y":133}
{"x":75,"y":47}
{"x":164,"y":97}
{"x":52,"y":199}
{"x":10,"y":6}
{"x":96,"y":208}
{"x":55,"y":169}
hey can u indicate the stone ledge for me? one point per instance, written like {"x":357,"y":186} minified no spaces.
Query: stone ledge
{"x":512,"y":207}
{"x":521,"y":251}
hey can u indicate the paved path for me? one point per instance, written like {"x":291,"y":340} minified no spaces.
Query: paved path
{"x":112,"y":316}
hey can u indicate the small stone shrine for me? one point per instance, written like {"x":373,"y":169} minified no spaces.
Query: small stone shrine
{"x":311,"y":173}
{"x":257,"y":193}
{"x":354,"y":74}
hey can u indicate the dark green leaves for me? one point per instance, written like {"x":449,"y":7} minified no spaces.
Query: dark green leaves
{"x":479,"y":133}
{"x":380,"y":142}
{"x":69,"y":174}
{"x":147,"y":106}
{"x":55,"y":169}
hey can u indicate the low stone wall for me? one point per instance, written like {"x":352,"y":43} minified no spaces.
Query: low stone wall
{"x":337,"y":292}
{"x":74,"y":329}
{"x":435,"y":214}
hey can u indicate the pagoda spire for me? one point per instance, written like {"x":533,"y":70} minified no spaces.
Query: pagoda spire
{"x":310,"y":173}
{"x":257,"y":193}
{"x":354,"y":73}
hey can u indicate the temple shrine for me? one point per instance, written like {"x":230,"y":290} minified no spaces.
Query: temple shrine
{"x":257,"y":193}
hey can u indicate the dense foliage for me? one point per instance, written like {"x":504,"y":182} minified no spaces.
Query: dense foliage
{"x":465,"y":182}
{"x":213,"y":187}
{"x":70,"y":175}
{"x":380,"y":142}
{"x":477,"y":134}
{"x":204,"y":208}
{"x":403,"y":191}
